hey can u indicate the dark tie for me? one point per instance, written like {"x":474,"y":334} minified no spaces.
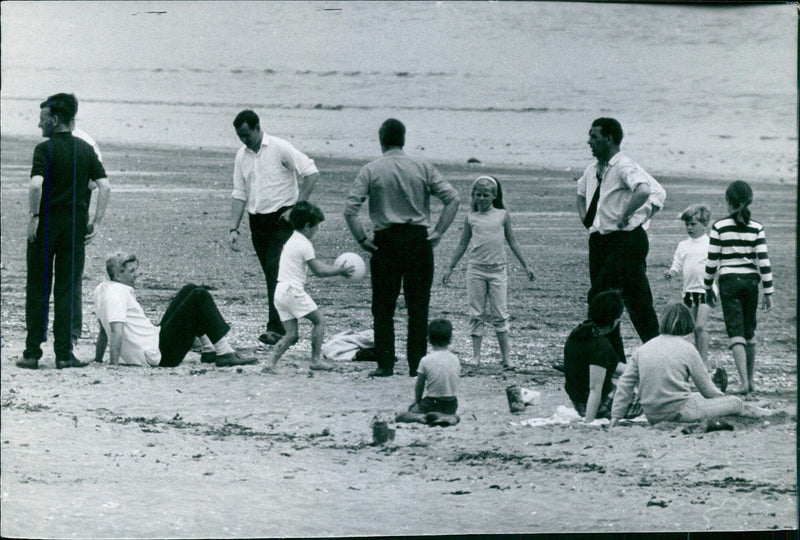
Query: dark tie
{"x":590,"y":213}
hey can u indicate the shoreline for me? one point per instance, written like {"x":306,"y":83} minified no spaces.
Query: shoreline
{"x":227,"y":154}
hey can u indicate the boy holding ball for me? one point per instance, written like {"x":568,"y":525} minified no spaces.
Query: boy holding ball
{"x":291,"y":300}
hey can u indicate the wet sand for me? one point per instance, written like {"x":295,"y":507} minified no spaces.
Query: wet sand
{"x":207,"y":452}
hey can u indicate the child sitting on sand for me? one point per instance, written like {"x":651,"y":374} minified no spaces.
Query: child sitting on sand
{"x":291,"y":299}
{"x":437,"y":380}
{"x":590,"y":361}
{"x":662,"y":368}
{"x":488,"y":227}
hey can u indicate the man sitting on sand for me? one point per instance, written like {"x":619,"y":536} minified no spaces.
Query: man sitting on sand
{"x":437,"y":380}
{"x":134,"y":340}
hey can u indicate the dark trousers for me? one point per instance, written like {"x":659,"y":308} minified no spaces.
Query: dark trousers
{"x":192,"y":313}
{"x":404,"y":257}
{"x":618,"y":260}
{"x":58,"y":252}
{"x":269,"y":233}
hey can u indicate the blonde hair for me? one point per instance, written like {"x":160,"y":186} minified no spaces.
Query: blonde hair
{"x":676,"y":320}
{"x":494,"y":184}
{"x":117,"y":261}
{"x":700,"y":210}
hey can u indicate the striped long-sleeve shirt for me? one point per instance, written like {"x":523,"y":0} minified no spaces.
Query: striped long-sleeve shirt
{"x":738,"y":250}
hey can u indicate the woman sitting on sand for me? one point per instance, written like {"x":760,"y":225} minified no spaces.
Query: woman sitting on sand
{"x":662,"y":367}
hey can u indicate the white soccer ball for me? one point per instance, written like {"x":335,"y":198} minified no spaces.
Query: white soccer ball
{"x":355,"y":260}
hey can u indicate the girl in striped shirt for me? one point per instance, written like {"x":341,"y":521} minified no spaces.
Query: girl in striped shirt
{"x":738,"y":250}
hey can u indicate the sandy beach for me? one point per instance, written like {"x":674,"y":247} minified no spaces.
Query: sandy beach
{"x":199,"y":451}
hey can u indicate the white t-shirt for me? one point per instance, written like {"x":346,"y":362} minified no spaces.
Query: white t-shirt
{"x":297,"y":251}
{"x":78,"y":132}
{"x":690,"y":260}
{"x":116,"y":302}
{"x":441,"y":370}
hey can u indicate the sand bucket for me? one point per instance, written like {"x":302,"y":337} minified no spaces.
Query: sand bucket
{"x":514,"y":395}
{"x":519,"y":398}
{"x":381,"y":432}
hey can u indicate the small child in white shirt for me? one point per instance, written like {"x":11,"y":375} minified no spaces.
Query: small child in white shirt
{"x":438,"y":373}
{"x":690,"y":260}
{"x":291,"y":300}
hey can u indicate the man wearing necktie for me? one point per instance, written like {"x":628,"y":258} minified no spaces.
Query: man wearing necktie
{"x":616,"y":199}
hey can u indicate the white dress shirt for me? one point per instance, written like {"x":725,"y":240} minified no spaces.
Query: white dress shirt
{"x":268,"y":180}
{"x":621,"y":177}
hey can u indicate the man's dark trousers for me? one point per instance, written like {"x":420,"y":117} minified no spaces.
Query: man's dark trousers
{"x":404,"y":256}
{"x":618,"y":260}
{"x":270,"y":233}
{"x":55,"y":261}
{"x":192,"y":313}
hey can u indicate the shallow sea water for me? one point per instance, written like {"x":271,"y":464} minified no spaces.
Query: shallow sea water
{"x":706,"y":91}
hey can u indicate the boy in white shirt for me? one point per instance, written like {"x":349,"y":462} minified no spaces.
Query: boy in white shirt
{"x":291,"y":300}
{"x":438,"y":373}
{"x":690,"y":260}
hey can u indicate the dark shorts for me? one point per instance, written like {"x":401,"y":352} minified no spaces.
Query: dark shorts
{"x":692,"y":299}
{"x":447,"y":405}
{"x":739,"y":298}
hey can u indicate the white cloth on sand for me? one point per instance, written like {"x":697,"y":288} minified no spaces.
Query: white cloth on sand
{"x":345,"y":345}
{"x":566,"y":415}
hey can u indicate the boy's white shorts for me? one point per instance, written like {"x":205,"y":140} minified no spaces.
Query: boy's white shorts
{"x":292,"y":302}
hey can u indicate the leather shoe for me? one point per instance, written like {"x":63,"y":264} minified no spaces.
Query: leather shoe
{"x":28,"y":363}
{"x":380,"y":372}
{"x":234,"y":359}
{"x":208,"y":357}
{"x":269,"y":337}
{"x":72,"y":362}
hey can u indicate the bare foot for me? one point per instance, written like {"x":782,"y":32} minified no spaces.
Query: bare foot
{"x":321,"y":366}
{"x":741,"y":391}
{"x":755,"y":412}
{"x":269,"y":369}
{"x":410,"y":417}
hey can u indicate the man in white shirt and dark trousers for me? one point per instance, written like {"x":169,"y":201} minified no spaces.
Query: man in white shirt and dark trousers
{"x":134,"y":340}
{"x":616,"y":199}
{"x":269,"y":177}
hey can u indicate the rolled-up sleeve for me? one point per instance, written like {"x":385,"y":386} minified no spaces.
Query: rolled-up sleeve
{"x":358,"y":194}
{"x":657,"y":193}
{"x":633,"y":175}
{"x":297,"y":161}
{"x":439,"y":187}
{"x":582,"y":182}
{"x":239,"y":184}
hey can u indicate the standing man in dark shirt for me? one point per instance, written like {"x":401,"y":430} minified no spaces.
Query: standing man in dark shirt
{"x":399,"y":188}
{"x":58,"y":230}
